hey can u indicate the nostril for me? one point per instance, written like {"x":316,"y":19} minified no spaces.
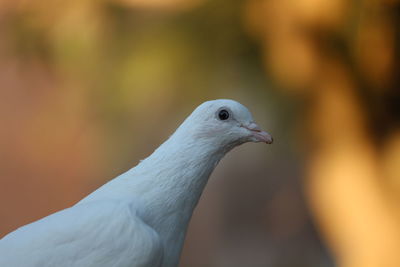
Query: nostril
{"x":254,"y":127}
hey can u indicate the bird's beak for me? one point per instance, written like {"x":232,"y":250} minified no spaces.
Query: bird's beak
{"x":258,"y":134}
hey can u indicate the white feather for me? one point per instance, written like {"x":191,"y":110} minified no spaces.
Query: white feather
{"x":139,"y":218}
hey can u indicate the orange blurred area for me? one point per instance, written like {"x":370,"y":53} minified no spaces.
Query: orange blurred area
{"x":88,"y":88}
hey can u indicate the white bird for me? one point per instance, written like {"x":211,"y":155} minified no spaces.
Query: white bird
{"x":140,"y":218}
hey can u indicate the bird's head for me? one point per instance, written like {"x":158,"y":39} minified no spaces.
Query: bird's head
{"x":224,"y":122}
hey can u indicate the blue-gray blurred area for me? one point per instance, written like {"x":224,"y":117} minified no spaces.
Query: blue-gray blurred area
{"x":88,"y":88}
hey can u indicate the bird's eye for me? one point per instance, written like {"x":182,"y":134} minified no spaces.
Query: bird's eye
{"x":223,"y":114}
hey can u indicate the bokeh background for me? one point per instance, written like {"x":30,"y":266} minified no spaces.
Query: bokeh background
{"x":88,"y":88}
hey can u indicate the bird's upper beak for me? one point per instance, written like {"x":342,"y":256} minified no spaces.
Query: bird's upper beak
{"x":258,"y":134}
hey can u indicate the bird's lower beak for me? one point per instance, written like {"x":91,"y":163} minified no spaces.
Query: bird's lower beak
{"x":258,"y":134}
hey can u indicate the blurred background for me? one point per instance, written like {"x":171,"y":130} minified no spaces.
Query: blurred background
{"x":88,"y":88}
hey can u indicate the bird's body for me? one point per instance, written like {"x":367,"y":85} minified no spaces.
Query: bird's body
{"x":105,"y":233}
{"x":140,"y":218}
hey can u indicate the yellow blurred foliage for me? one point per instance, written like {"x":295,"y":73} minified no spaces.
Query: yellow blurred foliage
{"x":352,"y":184}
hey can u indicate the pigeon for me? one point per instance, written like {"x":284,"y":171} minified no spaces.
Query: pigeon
{"x":140,"y":218}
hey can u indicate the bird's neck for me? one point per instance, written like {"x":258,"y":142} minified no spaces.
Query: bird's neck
{"x":173,"y":178}
{"x":177,"y":173}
